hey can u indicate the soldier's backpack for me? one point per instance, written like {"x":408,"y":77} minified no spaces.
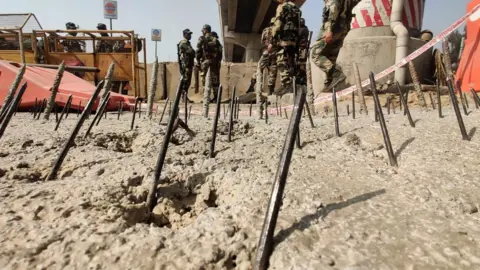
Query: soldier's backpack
{"x":210,"y":45}
{"x":290,"y":18}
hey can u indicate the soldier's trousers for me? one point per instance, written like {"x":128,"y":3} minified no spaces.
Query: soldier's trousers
{"x":187,"y":79}
{"x":325,"y":55}
{"x":214,"y":72}
{"x":286,"y":64}
{"x":269,"y":61}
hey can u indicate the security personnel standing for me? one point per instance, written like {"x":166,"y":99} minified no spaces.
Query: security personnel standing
{"x":186,"y":59}
{"x":337,"y":17}
{"x":103,"y":46}
{"x":269,"y":59}
{"x":207,"y":58}
{"x":286,"y":33}
{"x":301,"y":75}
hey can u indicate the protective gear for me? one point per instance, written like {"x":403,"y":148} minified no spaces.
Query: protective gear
{"x":287,"y":24}
{"x":207,"y":27}
{"x":70,"y":26}
{"x":215,"y":35}
{"x":101,"y":26}
{"x":187,"y":31}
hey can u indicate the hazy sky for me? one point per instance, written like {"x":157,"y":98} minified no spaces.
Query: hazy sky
{"x":172,"y":16}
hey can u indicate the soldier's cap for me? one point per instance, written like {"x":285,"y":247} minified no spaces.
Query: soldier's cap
{"x":101,"y":26}
{"x":187,"y":31}
{"x":207,"y":26}
{"x":215,"y":34}
{"x":70,"y":25}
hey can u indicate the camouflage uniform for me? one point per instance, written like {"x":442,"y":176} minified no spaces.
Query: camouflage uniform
{"x":269,"y":59}
{"x":103,"y":46}
{"x":285,"y":33}
{"x":186,"y":55}
{"x":207,"y":57}
{"x":301,"y":74}
{"x":337,"y":16}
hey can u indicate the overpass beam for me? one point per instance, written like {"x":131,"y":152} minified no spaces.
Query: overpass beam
{"x":260,"y":16}
{"x":232,"y":14}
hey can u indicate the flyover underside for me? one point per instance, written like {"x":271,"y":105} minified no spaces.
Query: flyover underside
{"x":242,"y":23}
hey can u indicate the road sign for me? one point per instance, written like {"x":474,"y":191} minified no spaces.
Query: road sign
{"x":156,"y":34}
{"x":110,"y":9}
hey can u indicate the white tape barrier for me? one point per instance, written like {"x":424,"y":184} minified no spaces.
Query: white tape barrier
{"x":473,"y":15}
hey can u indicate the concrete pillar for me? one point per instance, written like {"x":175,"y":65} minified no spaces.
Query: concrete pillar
{"x":253,"y":52}
{"x":251,"y":43}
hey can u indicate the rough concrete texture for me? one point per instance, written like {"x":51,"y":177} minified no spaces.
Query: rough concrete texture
{"x":344,"y":207}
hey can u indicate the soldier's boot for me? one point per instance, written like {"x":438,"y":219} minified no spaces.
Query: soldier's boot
{"x":326,"y":86}
{"x":214,"y":99}
{"x":337,"y":78}
{"x":284,"y":89}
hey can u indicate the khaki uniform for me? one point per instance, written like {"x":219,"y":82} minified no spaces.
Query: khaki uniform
{"x":285,"y":33}
{"x":337,"y":17}
{"x":187,"y":55}
{"x":269,"y":60}
{"x":207,"y":57}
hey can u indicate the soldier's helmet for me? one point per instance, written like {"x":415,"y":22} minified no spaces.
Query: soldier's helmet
{"x":70,"y":26}
{"x":101,"y":26}
{"x":426,"y":35}
{"x":207,"y":27}
{"x":187,"y":31}
{"x":214,"y":34}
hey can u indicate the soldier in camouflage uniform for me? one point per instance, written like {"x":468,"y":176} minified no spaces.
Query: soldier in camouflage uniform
{"x":186,"y":56}
{"x":301,"y":75}
{"x":337,"y":17}
{"x":269,"y":59}
{"x":285,"y":34}
{"x":207,"y":57}
{"x":72,"y":45}
{"x":103,"y":46}
{"x":219,"y":51}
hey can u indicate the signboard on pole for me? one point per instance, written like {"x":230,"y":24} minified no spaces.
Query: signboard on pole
{"x":110,"y":9}
{"x":156,"y":34}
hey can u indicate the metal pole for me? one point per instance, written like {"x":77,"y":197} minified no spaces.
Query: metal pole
{"x":134,"y":113}
{"x":111,"y":28}
{"x":152,"y":195}
{"x":11,"y":110}
{"x":265,"y":244}
{"x":215,"y":122}
{"x":454,"y":100}
{"x":439,"y":100}
{"x":164,"y":109}
{"x":230,"y":120}
{"x":98,"y":115}
{"x":383,"y":125}
{"x":353,"y":105}
{"x":403,"y":101}
{"x":156,"y":44}
{"x":71,"y":139}
{"x":476,"y":99}
{"x":335,"y":112}
{"x":67,"y":106}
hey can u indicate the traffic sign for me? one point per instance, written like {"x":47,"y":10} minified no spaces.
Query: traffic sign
{"x":156,"y":34}
{"x":110,"y":9}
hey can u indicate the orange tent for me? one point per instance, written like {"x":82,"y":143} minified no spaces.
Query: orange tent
{"x":468,"y":73}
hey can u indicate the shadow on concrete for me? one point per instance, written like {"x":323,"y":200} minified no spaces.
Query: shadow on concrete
{"x":403,"y":146}
{"x":472,"y":132}
{"x":322,"y":213}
